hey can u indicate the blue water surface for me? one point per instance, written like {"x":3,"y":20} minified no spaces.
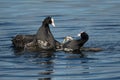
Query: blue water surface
{"x":99,"y":18}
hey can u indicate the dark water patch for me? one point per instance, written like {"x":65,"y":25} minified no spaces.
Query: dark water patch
{"x":107,"y":25}
{"x":111,"y":78}
{"x":7,"y":57}
{"x":6,"y":23}
{"x":23,"y":68}
{"x":47,"y":1}
{"x":22,"y":76}
{"x":11,"y":24}
{"x":76,"y":58}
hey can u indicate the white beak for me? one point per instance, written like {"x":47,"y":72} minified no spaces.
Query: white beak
{"x":53,"y":24}
{"x":79,"y":35}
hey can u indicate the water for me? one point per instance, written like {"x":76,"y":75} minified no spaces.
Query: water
{"x":99,"y":18}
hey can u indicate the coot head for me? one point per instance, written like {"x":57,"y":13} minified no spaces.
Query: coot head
{"x":83,"y":35}
{"x":49,"y":20}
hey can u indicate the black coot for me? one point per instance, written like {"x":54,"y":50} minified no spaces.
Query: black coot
{"x":75,"y":45}
{"x":43,"y":39}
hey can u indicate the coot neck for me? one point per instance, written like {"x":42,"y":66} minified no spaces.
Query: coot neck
{"x":45,"y":22}
{"x":83,"y":39}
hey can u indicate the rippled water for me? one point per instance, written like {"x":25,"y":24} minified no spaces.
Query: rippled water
{"x":99,"y":18}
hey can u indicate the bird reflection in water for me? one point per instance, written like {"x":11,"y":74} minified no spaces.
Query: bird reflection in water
{"x":43,"y":58}
{"x":74,"y":61}
{"x":47,"y":62}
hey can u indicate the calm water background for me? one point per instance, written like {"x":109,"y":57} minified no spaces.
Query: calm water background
{"x":99,"y":18}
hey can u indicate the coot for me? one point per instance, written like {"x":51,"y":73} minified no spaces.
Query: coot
{"x":75,"y":45}
{"x":43,"y":39}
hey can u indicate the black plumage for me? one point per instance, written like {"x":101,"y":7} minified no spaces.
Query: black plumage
{"x":43,"y":35}
{"x":74,"y":45}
